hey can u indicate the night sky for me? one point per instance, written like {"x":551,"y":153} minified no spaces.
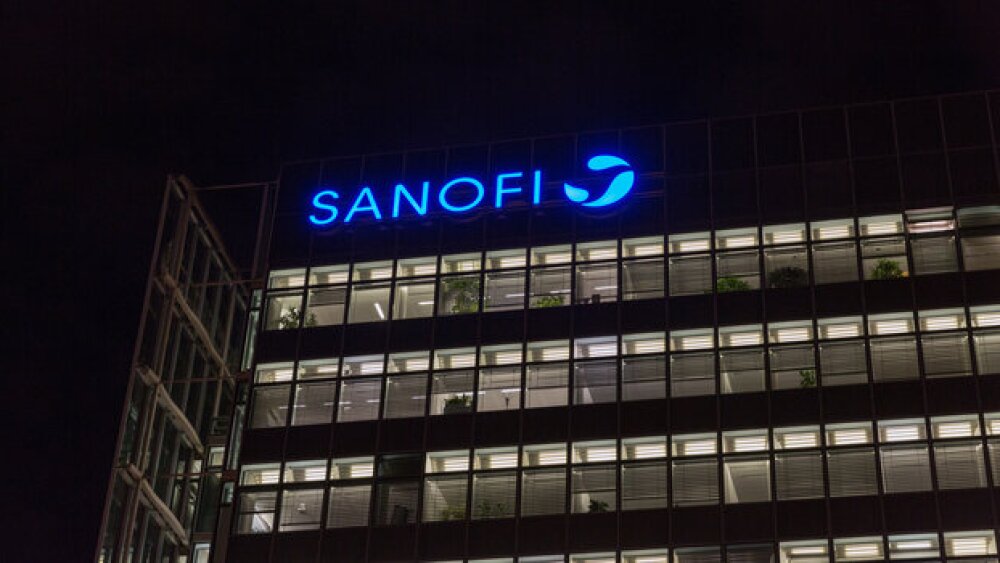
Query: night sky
{"x":101,"y":100}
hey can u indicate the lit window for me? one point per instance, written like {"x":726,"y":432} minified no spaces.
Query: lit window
{"x":260,"y":474}
{"x":858,"y":549}
{"x":850,"y":434}
{"x":593,"y":452}
{"x":448,"y":462}
{"x":352,"y":468}
{"x":970,"y":544}
{"x":644,"y":448}
{"x":645,"y":343}
{"x":544,"y":454}
{"x":694,"y":444}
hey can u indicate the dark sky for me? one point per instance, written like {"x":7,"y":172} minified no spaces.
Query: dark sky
{"x":102,"y":99}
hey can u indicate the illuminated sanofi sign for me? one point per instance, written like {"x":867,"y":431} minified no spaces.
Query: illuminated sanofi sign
{"x":465,"y":193}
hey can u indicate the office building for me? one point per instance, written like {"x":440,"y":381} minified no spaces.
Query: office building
{"x":759,"y":338}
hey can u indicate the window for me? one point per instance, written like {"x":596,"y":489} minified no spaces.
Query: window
{"x":737,"y":271}
{"x":359,"y":400}
{"x":459,"y":295}
{"x":843,"y":363}
{"x":369,"y":303}
{"x":313,"y":403}
{"x":451,"y":392}
{"x":884,"y":258}
{"x":594,"y":489}
{"x":747,"y":479}
{"x":894,"y":358}
{"x":987,"y":344}
{"x":493,"y":494}
{"x":326,"y":306}
{"x":256,"y":512}
{"x":260,"y":474}
{"x":981,"y":252}
{"x":946,"y":355}
{"x":835,"y":262}
{"x":742,"y":370}
{"x":500,"y":388}
{"x":960,"y":465}
{"x":596,"y":283}
{"x":643,"y":279}
{"x":548,"y":255}
{"x":858,"y":549}
{"x":369,"y":271}
{"x":396,"y":503}
{"x":461,"y":263}
{"x":301,"y":509}
{"x":506,"y":259}
{"x":934,"y":254}
{"x":413,"y":300}
{"x":543,"y":491}
{"x":547,"y":385}
{"x":444,"y":498}
{"x":851,"y":472}
{"x":792,"y":367}
{"x":786,"y":266}
{"x":284,"y":311}
{"x":644,"y":485}
{"x":798,"y":475}
{"x":697,"y":555}
{"x":690,"y":275}
{"x":402,"y":362}
{"x":363,"y":365}
{"x":595,"y":382}
{"x":405,"y":396}
{"x":411,"y":267}
{"x":644,"y":377}
{"x":550,"y":287}
{"x":270,"y":406}
{"x":905,"y":468}
{"x":348,"y":506}
{"x":504,"y":290}
{"x":305,"y":471}
{"x":965,"y":544}
{"x":692,"y":374}
{"x":695,"y":482}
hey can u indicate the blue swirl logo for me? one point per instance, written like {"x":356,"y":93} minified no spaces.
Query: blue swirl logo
{"x":619,"y":187}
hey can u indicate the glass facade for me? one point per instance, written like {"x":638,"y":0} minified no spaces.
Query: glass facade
{"x":781,"y":347}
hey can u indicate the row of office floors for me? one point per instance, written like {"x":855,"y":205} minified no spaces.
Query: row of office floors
{"x":858,"y":437}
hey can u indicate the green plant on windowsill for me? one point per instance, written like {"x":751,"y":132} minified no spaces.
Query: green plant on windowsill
{"x":453,"y":513}
{"x":463,"y":293}
{"x":597,"y":506}
{"x":457,"y":403}
{"x":729,"y":283}
{"x":486,"y":509}
{"x":291,"y":319}
{"x":549,"y":301}
{"x":886,"y":269}
{"x":788,"y":276}
{"x":807,"y":378}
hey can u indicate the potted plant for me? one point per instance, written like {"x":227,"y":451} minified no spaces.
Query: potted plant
{"x":787,"y":276}
{"x":457,"y":404}
{"x":726,"y":284}
{"x":291,"y":318}
{"x":549,"y":301}
{"x":487,"y":510}
{"x":453,"y":513}
{"x":886,"y":269}
{"x":597,"y":506}
{"x":463,"y":292}
{"x":807,"y":378}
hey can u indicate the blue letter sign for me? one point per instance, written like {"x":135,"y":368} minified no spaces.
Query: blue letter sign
{"x":465,"y":193}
